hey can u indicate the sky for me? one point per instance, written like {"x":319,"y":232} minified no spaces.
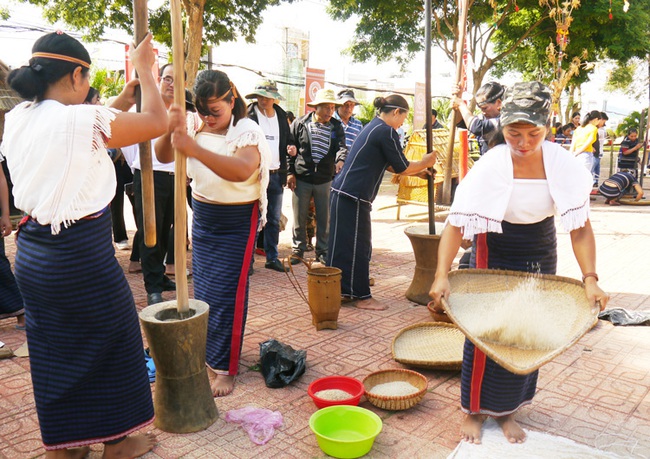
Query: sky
{"x":327,"y":38}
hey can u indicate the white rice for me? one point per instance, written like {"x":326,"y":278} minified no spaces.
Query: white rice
{"x":333,"y":394}
{"x":519,"y":317}
{"x":394,"y":389}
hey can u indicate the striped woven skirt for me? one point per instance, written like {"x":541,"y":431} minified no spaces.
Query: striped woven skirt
{"x":223,"y":240}
{"x":11,"y":302}
{"x":486,"y":387}
{"x":85,"y":346}
{"x":350,"y":243}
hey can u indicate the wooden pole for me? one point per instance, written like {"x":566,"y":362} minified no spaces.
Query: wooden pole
{"x":141,"y":29}
{"x":180,"y":166}
{"x":427,"y":106}
{"x":453,"y":118}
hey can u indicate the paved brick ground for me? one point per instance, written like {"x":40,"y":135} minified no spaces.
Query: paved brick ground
{"x":596,"y":393}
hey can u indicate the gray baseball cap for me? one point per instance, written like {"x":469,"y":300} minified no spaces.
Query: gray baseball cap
{"x":528,"y":102}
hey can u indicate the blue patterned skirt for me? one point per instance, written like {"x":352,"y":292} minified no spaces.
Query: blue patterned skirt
{"x":11,"y":302}
{"x":85,"y":345}
{"x":486,"y":387}
{"x":223,"y":240}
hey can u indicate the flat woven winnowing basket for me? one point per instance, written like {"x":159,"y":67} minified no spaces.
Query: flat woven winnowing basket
{"x":433,"y":345}
{"x":570,"y":319}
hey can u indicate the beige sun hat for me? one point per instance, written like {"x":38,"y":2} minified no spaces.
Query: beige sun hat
{"x":550,"y":315}
{"x":324,"y":96}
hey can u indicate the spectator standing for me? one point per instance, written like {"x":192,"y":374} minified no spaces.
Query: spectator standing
{"x":228,"y":161}
{"x":575,"y":120}
{"x":563,"y":137}
{"x":321,"y":152}
{"x":273,"y":121}
{"x":598,"y":152}
{"x":584,"y":139}
{"x":628,"y":156}
{"x":435,"y":124}
{"x":85,"y":344}
{"x":484,"y":126}
{"x":152,"y":259}
{"x":345,"y":114}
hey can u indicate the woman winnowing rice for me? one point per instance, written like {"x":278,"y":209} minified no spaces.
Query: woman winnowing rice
{"x":508,"y":200}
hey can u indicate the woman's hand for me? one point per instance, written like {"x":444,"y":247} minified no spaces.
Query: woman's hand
{"x":439,"y":289}
{"x":183,"y":143}
{"x":595,"y":293}
{"x":291,"y":182}
{"x":5,"y":226}
{"x":142,"y":55}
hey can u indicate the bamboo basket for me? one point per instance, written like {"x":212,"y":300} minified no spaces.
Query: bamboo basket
{"x":414,"y":188}
{"x":489,"y":282}
{"x":432,"y":345}
{"x":395,"y":403}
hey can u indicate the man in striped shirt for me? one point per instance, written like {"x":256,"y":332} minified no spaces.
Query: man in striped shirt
{"x":351,"y":125}
{"x":321,"y":151}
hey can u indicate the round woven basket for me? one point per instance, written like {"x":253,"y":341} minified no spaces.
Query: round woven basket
{"x":574,"y":320}
{"x":433,"y":345}
{"x":399,"y":402}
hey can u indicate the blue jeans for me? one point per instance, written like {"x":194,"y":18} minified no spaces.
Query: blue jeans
{"x":595,"y":169}
{"x":273,"y":213}
{"x":300,"y":203}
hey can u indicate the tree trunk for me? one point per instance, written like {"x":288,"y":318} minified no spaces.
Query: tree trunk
{"x":193,"y":38}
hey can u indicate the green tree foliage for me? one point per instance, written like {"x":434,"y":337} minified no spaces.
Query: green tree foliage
{"x":512,"y":37}
{"x":205,"y":21}
{"x":632,"y":121}
{"x":108,"y":83}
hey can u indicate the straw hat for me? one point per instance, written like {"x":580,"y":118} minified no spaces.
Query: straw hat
{"x":570,"y":319}
{"x":324,"y":96}
{"x":265,"y":88}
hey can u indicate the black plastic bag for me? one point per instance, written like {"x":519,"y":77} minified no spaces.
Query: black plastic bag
{"x":280,"y":363}
{"x":619,"y":316}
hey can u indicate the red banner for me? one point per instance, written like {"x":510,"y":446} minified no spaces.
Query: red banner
{"x":129,"y":72}
{"x":315,"y":82}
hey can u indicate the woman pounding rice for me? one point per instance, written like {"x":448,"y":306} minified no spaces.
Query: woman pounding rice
{"x":228,"y":161}
{"x":85,"y":346}
{"x":376,"y":149}
{"x":508,"y":200}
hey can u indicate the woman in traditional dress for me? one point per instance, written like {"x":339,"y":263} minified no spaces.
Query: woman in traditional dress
{"x":376,"y":149}
{"x":508,"y":200}
{"x":228,"y":162}
{"x":85,"y":346}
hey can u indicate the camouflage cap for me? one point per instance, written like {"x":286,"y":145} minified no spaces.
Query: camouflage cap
{"x":528,"y":102}
{"x":265,"y":88}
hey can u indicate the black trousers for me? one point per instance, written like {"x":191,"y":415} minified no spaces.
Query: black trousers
{"x":152,"y":258}
{"x":123,"y":175}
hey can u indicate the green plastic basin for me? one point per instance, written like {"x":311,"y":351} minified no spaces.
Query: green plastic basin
{"x":345,"y":431}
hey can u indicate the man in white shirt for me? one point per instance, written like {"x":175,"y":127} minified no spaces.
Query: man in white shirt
{"x":273,"y":121}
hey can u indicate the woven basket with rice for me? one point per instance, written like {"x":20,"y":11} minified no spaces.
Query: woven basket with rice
{"x":519,"y":320}
{"x":393,"y":382}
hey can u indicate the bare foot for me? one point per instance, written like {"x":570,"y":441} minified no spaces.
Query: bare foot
{"x":513,"y":431}
{"x":170,"y":270}
{"x":221,"y":385}
{"x":20,"y":322}
{"x":134,"y":267}
{"x":470,"y":430}
{"x":130,"y":447}
{"x":371,"y":304}
{"x":72,"y":453}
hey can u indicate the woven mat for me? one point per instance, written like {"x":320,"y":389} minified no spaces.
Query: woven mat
{"x":574,"y":323}
{"x":632,"y":202}
{"x":433,"y":345}
{"x":537,"y":446}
